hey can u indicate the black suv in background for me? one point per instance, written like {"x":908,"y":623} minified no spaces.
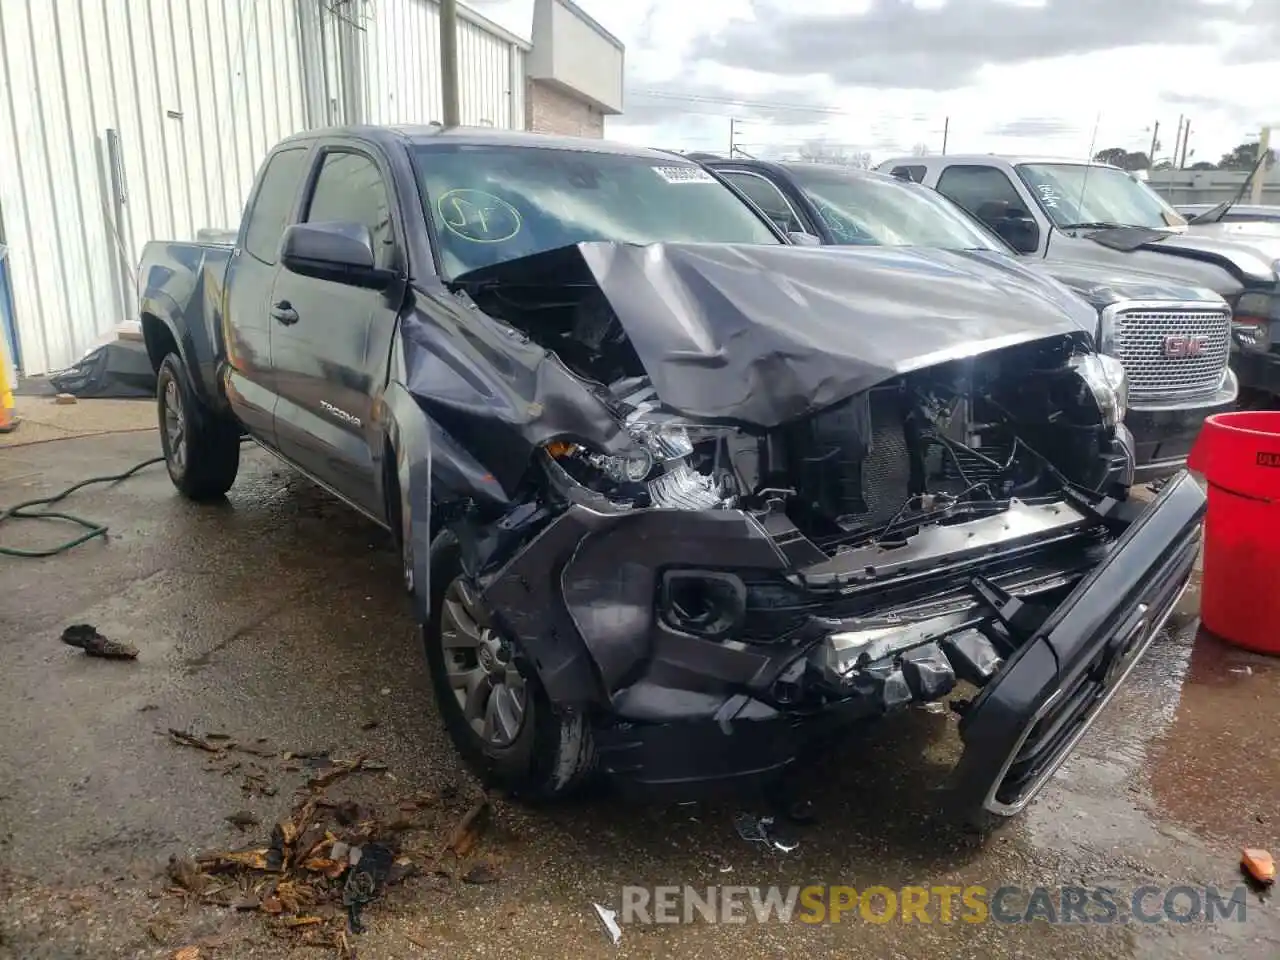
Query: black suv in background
{"x":1172,"y":337}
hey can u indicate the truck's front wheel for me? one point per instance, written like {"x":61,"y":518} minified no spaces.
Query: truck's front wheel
{"x":499,"y":719}
{"x":201,"y":451}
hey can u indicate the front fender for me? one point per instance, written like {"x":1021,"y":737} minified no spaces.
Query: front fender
{"x":409,"y":439}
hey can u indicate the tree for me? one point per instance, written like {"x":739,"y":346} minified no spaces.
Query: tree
{"x":1112,"y":155}
{"x":819,"y":151}
{"x":1203,"y":165}
{"x":920,"y":150}
{"x":1244,"y":156}
{"x":1122,"y":158}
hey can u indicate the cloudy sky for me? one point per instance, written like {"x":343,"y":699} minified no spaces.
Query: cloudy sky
{"x":883,"y":76}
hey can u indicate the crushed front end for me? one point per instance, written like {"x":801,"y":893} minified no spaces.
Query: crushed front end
{"x":717,"y":595}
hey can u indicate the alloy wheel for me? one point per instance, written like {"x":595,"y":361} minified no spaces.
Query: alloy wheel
{"x":489,"y":689}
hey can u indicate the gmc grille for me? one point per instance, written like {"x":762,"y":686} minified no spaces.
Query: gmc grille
{"x":1152,"y":345}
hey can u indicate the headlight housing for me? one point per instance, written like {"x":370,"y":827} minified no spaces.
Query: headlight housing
{"x":1107,"y":381}
{"x":673,"y":464}
{"x":1251,"y":323}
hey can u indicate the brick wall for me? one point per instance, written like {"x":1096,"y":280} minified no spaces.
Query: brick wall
{"x":549,"y":110}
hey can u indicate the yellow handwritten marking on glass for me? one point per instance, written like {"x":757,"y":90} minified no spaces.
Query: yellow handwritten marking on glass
{"x":478,"y":216}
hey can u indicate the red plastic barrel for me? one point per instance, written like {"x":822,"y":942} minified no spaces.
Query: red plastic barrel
{"x":1239,"y":455}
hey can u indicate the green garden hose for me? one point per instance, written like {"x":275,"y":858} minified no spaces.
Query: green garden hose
{"x":29,"y":510}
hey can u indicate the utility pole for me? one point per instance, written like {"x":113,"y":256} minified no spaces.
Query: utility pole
{"x":1186,"y":136}
{"x":1260,"y":178}
{"x":733,"y":140}
{"x":1177,"y":144}
{"x":449,"y":61}
{"x":1155,"y":144}
{"x":946,"y":129}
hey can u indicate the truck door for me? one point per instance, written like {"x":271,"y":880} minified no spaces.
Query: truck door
{"x":250,"y":274}
{"x":331,"y":342}
{"x":988,"y":193}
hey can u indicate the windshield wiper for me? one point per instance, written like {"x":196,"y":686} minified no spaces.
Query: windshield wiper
{"x":1098,"y":225}
{"x":1217,"y":212}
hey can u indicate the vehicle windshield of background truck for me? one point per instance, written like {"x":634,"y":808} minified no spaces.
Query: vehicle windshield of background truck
{"x":862,"y":210}
{"x":493,"y":204}
{"x":1080,"y":194}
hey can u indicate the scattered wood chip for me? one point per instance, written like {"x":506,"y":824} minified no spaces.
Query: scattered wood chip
{"x":482,"y":871}
{"x":416,"y":941}
{"x":370,"y":724}
{"x":467,"y":832}
{"x":243,"y":819}
{"x":304,"y":921}
{"x":185,"y":872}
{"x":256,"y":751}
{"x":1258,"y":865}
{"x":184,"y":739}
{"x":252,"y":859}
{"x":86,"y":637}
{"x":66,"y":399}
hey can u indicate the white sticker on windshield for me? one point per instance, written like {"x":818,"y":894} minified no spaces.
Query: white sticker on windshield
{"x":684,"y":175}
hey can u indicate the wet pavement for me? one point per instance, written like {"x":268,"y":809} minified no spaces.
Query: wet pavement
{"x":279,"y":615}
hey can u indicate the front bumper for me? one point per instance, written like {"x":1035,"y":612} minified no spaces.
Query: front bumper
{"x":1164,"y":433}
{"x":679,"y":715}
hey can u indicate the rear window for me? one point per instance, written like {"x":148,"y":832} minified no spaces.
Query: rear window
{"x":496,"y":203}
{"x":272,"y":204}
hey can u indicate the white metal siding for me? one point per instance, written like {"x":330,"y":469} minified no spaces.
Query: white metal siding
{"x":197,"y":91}
{"x":401,"y":75}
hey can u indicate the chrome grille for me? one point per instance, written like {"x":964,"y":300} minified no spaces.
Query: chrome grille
{"x":1141,"y":334}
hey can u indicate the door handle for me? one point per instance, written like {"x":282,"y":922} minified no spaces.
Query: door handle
{"x":283,"y":311}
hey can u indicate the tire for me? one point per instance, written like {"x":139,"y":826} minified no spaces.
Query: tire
{"x":201,"y":450}
{"x":551,"y":755}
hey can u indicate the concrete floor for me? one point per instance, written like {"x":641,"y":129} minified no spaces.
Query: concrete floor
{"x":279,"y":615}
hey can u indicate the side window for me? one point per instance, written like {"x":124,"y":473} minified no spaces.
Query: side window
{"x":767,"y":197}
{"x":273,"y":203}
{"x":350,"y":188}
{"x":915,"y":173}
{"x":973,"y":186}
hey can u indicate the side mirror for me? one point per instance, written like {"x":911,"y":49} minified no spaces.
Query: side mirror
{"x":1014,"y":225}
{"x":803,"y":239}
{"x":337,"y":251}
{"x":1020,"y":232}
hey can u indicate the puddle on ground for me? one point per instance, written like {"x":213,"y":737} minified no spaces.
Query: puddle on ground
{"x":1215,"y":767}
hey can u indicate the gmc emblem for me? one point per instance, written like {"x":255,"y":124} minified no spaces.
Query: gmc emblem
{"x":1180,"y":346}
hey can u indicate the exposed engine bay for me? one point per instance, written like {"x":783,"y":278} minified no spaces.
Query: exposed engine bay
{"x":957,"y":440}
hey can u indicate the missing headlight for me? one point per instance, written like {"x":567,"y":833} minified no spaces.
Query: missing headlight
{"x":705,"y":603}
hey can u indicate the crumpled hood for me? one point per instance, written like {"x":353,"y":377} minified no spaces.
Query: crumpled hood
{"x":1251,"y":257}
{"x":765,"y":334}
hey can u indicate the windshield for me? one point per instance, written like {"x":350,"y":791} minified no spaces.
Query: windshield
{"x":492,"y":203}
{"x":1078,"y":194}
{"x":861,"y":210}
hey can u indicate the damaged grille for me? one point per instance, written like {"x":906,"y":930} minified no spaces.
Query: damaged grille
{"x":1172,"y":353}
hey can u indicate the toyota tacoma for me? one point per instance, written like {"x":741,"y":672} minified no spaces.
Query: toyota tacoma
{"x":675,"y":496}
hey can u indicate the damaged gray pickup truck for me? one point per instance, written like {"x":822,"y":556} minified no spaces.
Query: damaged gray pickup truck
{"x":674,"y":496}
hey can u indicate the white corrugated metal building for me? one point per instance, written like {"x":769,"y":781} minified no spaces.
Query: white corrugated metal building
{"x":123,"y":121}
